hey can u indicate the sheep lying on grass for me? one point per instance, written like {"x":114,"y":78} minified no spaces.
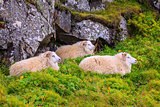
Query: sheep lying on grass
{"x":119,"y":63}
{"x":78,"y":49}
{"x":44,"y":60}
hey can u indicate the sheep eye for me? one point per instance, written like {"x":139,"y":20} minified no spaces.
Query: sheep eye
{"x":53,"y":56}
{"x":128,"y":57}
{"x":89,"y":44}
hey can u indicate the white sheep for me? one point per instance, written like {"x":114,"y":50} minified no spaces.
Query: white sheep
{"x":117,"y":64}
{"x":78,"y":49}
{"x":44,"y":60}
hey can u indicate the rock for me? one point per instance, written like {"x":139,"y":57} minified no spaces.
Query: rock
{"x":90,"y":30}
{"x":98,"y":4}
{"x":26,"y":27}
{"x":123,"y":27}
{"x":79,"y":5}
{"x":1,"y":2}
{"x":17,"y":24}
{"x":107,"y":1}
{"x":63,"y":20}
{"x":157,"y":4}
{"x":152,"y":3}
{"x":86,"y":5}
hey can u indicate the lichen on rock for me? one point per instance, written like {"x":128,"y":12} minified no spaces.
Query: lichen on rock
{"x":80,"y":5}
{"x":25,"y":27}
{"x":90,"y":30}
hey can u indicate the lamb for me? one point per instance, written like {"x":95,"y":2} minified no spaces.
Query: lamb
{"x":44,"y":60}
{"x":117,"y":64}
{"x":78,"y":49}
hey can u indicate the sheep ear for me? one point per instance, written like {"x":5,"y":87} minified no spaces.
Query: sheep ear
{"x":48,"y":54}
{"x":124,"y":56}
{"x":83,"y":43}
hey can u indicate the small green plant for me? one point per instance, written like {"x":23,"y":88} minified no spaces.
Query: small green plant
{"x":3,"y":68}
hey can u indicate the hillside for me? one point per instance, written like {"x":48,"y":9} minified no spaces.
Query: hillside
{"x":71,"y":86}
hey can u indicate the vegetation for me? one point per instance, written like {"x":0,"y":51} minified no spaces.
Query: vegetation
{"x":71,"y":86}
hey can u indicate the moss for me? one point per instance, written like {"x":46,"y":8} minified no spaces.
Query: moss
{"x":117,"y":84}
{"x":3,"y":90}
{"x":36,"y":3}
{"x":145,"y":100}
{"x":33,"y":2}
{"x":145,"y":77}
{"x":49,"y":79}
{"x":153,"y":84}
{"x":61,"y":7}
{"x":71,"y":86}
{"x":144,"y":24}
{"x":3,"y":68}
{"x":146,"y":3}
{"x":119,"y":99}
{"x":10,"y":100}
{"x":41,"y":97}
{"x":52,"y":96}
{"x":155,"y":94}
{"x":109,"y":17}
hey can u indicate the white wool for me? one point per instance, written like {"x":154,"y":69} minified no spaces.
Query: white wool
{"x":34,"y":64}
{"x":119,"y":63}
{"x":78,"y":49}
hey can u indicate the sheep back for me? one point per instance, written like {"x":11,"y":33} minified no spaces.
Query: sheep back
{"x":32,"y":64}
{"x":103,"y":64}
{"x":71,"y":51}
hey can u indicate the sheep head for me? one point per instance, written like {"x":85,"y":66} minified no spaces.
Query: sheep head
{"x":127,"y":57}
{"x":51,"y":56}
{"x":88,"y":46}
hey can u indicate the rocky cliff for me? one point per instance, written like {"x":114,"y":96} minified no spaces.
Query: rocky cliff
{"x":28,"y":27}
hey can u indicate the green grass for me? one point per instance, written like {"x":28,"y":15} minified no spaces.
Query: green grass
{"x":71,"y":86}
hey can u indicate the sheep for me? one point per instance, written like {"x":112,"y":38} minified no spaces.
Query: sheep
{"x":44,"y":60}
{"x":78,"y":49}
{"x":117,"y":64}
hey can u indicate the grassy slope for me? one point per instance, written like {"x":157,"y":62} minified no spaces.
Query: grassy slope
{"x":71,"y":86}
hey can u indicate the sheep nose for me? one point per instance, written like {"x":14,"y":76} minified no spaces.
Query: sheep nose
{"x":136,"y":60}
{"x":59,"y":59}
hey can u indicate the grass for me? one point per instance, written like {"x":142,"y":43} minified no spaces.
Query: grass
{"x":71,"y":86}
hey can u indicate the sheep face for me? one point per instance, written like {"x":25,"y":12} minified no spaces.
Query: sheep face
{"x":52,"y":56}
{"x":88,"y":46}
{"x":55,"y":57}
{"x":129,"y":58}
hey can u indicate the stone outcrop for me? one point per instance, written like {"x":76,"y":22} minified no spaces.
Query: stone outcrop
{"x":25,"y":26}
{"x":153,"y":3}
{"x":86,"y":5}
{"x":123,"y":27}
{"x":28,"y":27}
{"x":79,"y":5}
{"x":90,"y":30}
{"x":70,"y":30}
{"x":98,"y":4}
{"x":156,"y":4}
{"x":63,"y":20}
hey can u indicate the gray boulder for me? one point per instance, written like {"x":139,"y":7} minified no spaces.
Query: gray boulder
{"x":80,"y":5}
{"x":153,"y":3}
{"x":90,"y":30}
{"x":156,"y":4}
{"x":86,"y":5}
{"x":26,"y":26}
{"x":124,"y":31}
{"x":63,"y":20}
